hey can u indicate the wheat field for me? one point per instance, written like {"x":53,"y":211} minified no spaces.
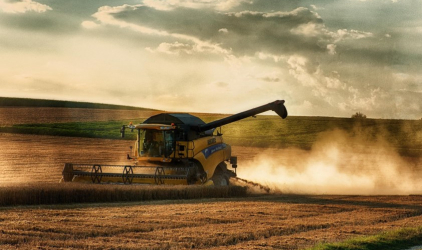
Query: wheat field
{"x":192,"y":218}
{"x":264,"y":222}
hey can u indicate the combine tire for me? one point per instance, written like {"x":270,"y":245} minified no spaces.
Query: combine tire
{"x":220,"y":180}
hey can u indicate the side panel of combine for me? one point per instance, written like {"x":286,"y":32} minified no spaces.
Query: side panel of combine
{"x":210,"y":152}
{"x":211,"y":161}
{"x":184,"y":149}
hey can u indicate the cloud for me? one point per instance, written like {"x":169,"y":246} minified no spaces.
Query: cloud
{"x":343,"y":34}
{"x":34,"y":82}
{"x":174,"y":48}
{"x":300,"y":68}
{"x":22,"y":6}
{"x":331,"y":49}
{"x":319,"y":57}
{"x":250,"y":32}
{"x":327,"y":87}
{"x":89,"y":25}
{"x":266,"y":56}
{"x":270,"y":79}
{"x":222,"y":84}
{"x":220,"y":5}
{"x":112,"y":16}
{"x":314,"y":7}
{"x":243,"y":33}
{"x":309,"y":29}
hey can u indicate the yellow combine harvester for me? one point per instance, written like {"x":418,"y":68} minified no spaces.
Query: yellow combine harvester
{"x":173,"y":149}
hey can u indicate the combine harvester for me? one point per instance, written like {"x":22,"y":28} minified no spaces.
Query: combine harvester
{"x":172,"y":149}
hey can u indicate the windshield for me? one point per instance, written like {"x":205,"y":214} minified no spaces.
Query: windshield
{"x":156,"y":143}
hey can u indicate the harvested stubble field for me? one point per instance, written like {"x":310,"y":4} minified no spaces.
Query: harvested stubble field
{"x":266,"y":222}
{"x":275,"y":221}
{"x":254,"y":222}
{"x":29,"y":115}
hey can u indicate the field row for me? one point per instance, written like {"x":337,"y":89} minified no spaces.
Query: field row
{"x":266,"y":222}
{"x":40,"y":159}
{"x":68,"y":193}
{"x":24,"y":115}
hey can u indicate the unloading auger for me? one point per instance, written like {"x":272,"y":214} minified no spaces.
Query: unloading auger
{"x":173,"y":148}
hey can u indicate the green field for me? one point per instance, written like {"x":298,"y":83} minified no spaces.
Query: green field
{"x":263,"y":131}
{"x":400,"y":239}
{"x":108,"y":130}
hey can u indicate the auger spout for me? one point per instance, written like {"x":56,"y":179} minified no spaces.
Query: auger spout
{"x":276,"y":106}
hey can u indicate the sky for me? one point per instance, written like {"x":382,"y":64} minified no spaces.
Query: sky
{"x":324,"y":58}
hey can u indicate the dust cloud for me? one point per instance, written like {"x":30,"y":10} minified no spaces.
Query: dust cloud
{"x":338,"y":163}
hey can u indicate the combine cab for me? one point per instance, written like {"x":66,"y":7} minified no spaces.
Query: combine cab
{"x":172,"y":149}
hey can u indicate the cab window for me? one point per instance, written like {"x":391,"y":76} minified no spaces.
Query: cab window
{"x":156,"y":143}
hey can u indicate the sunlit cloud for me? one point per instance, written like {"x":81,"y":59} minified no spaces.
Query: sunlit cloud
{"x":351,"y":34}
{"x":105,"y":15}
{"x":22,"y":6}
{"x":221,"y":5}
{"x":321,"y":61}
{"x":173,"y":48}
{"x":89,"y":25}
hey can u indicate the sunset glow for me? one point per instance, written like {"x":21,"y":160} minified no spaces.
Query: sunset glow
{"x":325,"y":58}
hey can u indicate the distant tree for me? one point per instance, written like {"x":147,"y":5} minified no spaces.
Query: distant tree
{"x":359,"y":115}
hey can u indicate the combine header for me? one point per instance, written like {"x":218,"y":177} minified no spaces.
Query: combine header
{"x":173,"y":149}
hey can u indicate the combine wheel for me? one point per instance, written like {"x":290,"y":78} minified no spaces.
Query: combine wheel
{"x":127,"y":175}
{"x":96,"y":172}
{"x":191,"y":175}
{"x":203,"y":178}
{"x":221,"y":177}
{"x":220,"y":180}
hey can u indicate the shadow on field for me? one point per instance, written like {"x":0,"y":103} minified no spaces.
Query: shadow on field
{"x":121,"y":195}
{"x":394,"y":201}
{"x":387,"y":202}
{"x":70,"y":193}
